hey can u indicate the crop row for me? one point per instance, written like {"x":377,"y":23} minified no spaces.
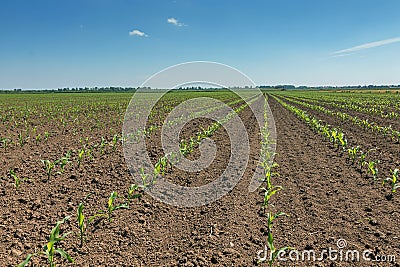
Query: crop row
{"x":364,"y":123}
{"x":336,"y":136}
{"x":268,"y":190}
{"x":135,"y":191}
{"x":384,"y":105}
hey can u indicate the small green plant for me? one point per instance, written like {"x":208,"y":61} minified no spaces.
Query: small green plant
{"x":161,"y":166}
{"x":81,"y":154}
{"x":81,"y":223}
{"x":102,"y":145}
{"x":183,"y":147}
{"x":89,"y":153}
{"x":373,"y":169}
{"x":49,"y":166}
{"x":114,"y":142}
{"x":269,"y":173}
{"x":5,"y":142}
{"x":64,"y":161}
{"x":17,"y":179}
{"x":37,"y":138}
{"x":50,"y":248}
{"x":46,"y":135}
{"x":342,"y":140}
{"x":394,"y":180}
{"x":132,"y":193}
{"x":110,"y":208}
{"x":145,"y":179}
{"x":352,"y":152}
{"x":268,"y":193}
{"x":361,"y":159}
{"x":21,"y":139}
{"x":274,"y":252}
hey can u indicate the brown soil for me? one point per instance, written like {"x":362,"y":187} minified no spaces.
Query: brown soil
{"x":382,"y":149}
{"x":326,"y":197}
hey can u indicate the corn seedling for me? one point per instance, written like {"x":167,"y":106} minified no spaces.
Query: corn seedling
{"x":115,"y":141}
{"x":34,"y":130}
{"x":49,"y":166}
{"x":50,"y":248}
{"x":21,"y":139}
{"x":131,"y":193}
{"x":81,"y":154}
{"x":352,"y":152}
{"x":4,"y":141}
{"x":64,"y":161}
{"x":81,"y":223}
{"x":89,"y":153}
{"x":37,"y":138}
{"x":269,"y":173}
{"x":394,"y":181}
{"x":46,"y":135}
{"x":274,"y":252}
{"x":183,"y":147}
{"x":268,"y":193}
{"x":342,"y":140}
{"x":145,"y":177}
{"x":110,"y":208}
{"x":161,"y":166}
{"x":102,"y":145}
{"x":372,"y":168}
{"x":362,"y":158}
{"x":17,"y":179}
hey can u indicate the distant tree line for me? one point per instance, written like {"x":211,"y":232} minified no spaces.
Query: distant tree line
{"x":73,"y":89}
{"x":348,"y":87}
{"x":133,"y":89}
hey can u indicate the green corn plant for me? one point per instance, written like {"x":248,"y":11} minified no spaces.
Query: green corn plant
{"x":269,"y":173}
{"x":372,"y":168}
{"x":34,"y":130}
{"x":5,"y":142}
{"x":37,"y":139}
{"x":161,"y":166}
{"x":89,"y":153}
{"x":21,"y":139}
{"x":145,"y":179}
{"x":342,"y":140}
{"x":114,"y":141}
{"x":81,"y":154}
{"x":64,"y":161}
{"x":49,"y":166}
{"x":50,"y":248}
{"x":352,"y":152}
{"x":17,"y":179}
{"x":361,"y":159}
{"x":54,"y":238}
{"x":268,"y":193}
{"x":81,"y":224}
{"x":102,"y":145}
{"x":334,"y":136}
{"x":132,"y":193}
{"x":274,"y":252}
{"x":46,"y":135}
{"x":110,"y":208}
{"x":183,"y":147}
{"x":394,"y":181}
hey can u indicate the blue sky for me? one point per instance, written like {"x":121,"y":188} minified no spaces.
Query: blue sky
{"x":51,"y":44}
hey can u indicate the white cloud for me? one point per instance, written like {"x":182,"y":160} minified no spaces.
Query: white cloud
{"x":137,"y":33}
{"x":175,"y":22}
{"x":351,"y":50}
